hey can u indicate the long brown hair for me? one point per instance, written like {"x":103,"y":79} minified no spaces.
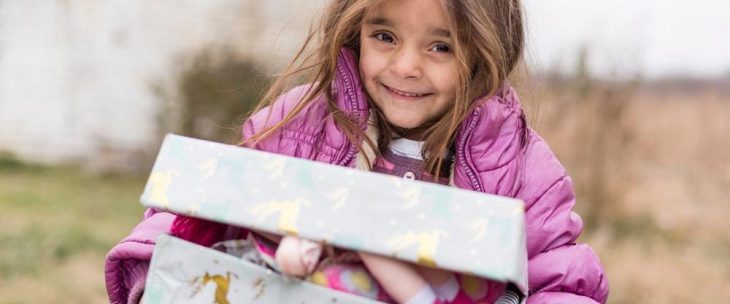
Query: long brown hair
{"x":489,"y":40}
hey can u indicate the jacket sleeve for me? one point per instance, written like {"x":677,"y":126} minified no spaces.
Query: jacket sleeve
{"x":280,"y":141}
{"x":559,"y":270}
{"x":127,"y":262}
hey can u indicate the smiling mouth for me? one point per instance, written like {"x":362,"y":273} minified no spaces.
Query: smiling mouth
{"x":404,"y":93}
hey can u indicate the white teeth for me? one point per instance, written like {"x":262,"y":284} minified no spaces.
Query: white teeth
{"x":406,"y":94}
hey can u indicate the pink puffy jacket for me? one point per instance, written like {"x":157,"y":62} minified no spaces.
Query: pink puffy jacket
{"x":491,"y":156}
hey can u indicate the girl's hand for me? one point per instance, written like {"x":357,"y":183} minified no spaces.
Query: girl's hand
{"x":398,"y":278}
{"x":297,"y":257}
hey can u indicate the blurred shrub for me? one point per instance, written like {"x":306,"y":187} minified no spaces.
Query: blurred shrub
{"x":217,"y":91}
{"x":596,"y":155}
{"x":9,"y":162}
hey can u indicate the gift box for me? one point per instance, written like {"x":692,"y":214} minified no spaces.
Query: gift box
{"x":183,"y":272}
{"x":425,"y":223}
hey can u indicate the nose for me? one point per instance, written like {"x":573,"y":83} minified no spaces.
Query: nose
{"x":406,"y":64}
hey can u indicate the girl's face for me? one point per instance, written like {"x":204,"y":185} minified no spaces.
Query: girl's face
{"x":406,"y":61}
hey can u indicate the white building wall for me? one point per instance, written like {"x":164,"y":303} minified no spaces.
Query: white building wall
{"x":76,"y":77}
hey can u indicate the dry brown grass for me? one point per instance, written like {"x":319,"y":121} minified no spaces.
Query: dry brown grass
{"x":652,"y":175}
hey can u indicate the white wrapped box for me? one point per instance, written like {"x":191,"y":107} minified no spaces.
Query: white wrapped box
{"x":183,"y":272}
{"x":425,"y":223}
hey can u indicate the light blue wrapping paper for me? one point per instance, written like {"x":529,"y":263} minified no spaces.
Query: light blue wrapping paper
{"x":421,"y":222}
{"x":183,"y":272}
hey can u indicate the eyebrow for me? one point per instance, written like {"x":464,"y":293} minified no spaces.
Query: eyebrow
{"x":441,"y":32}
{"x":379,"y":21}
{"x":385,"y":22}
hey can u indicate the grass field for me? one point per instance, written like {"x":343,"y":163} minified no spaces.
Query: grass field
{"x":57,"y":226}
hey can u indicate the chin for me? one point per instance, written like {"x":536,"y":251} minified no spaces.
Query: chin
{"x":404,"y":122}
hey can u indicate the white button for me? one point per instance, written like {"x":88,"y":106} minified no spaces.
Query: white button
{"x":409,"y":175}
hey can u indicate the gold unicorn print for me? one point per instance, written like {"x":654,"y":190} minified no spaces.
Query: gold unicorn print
{"x":222,"y":284}
{"x":288,"y":212}
{"x":338,"y":197}
{"x":478,"y":229}
{"x":260,"y":287}
{"x":159,"y":184}
{"x":275,"y":168}
{"x":426,"y":244}
{"x":397,"y":181}
{"x":518,"y":210}
{"x":411,"y":196}
{"x":207,"y":168}
{"x":193,"y":209}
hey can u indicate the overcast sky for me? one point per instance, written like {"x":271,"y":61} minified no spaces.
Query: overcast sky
{"x":650,"y":37}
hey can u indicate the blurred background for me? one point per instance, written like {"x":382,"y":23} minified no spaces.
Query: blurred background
{"x":633,"y":97}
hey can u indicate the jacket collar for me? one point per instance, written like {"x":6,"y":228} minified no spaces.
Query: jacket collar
{"x":491,"y":135}
{"x":348,"y":89}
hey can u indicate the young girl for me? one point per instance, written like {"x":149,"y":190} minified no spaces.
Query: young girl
{"x":414,"y":88}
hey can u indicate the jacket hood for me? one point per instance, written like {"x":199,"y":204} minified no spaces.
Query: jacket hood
{"x":494,"y":132}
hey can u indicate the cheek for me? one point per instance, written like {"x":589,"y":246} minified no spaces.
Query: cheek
{"x":371,"y":64}
{"x":445,"y":80}
{"x":364,"y":64}
{"x":368,"y":75}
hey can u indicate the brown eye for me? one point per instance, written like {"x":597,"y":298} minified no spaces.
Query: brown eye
{"x":384,"y":37}
{"x":441,"y":48}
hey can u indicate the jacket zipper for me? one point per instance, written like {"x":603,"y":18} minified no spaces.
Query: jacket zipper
{"x":461,"y":151}
{"x":345,"y":75}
